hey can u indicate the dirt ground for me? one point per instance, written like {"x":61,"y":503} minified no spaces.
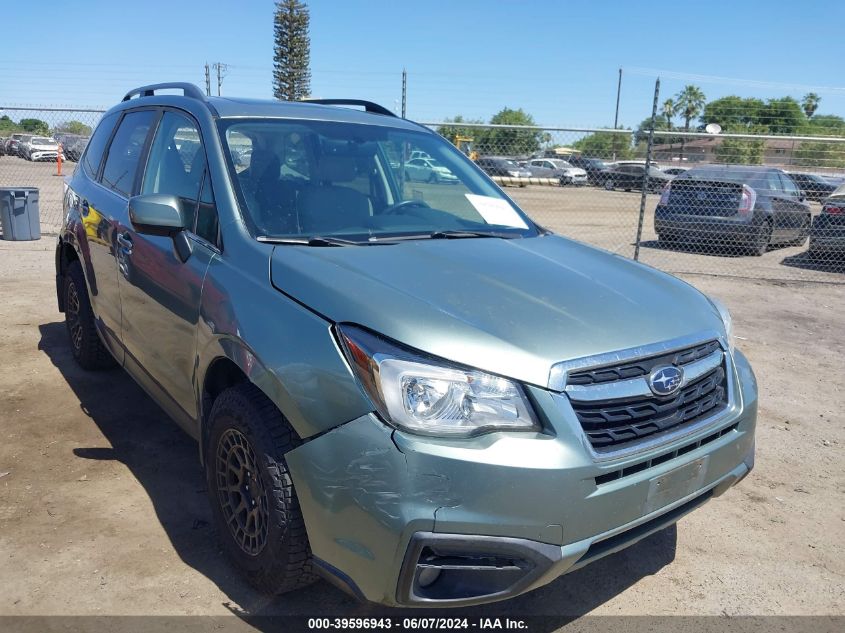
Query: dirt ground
{"x":103,"y":508}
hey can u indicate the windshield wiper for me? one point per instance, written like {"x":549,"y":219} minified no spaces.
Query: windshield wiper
{"x":451,"y":235}
{"x":316,"y":240}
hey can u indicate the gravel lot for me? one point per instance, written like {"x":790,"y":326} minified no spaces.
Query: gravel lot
{"x":102,"y":507}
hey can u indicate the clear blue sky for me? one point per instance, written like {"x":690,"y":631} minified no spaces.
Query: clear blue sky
{"x":556,"y":59}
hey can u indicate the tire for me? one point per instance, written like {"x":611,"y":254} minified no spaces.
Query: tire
{"x":609,"y":185}
{"x":432,"y":178}
{"x":85,"y":344}
{"x":248,"y":432}
{"x":762,"y":239}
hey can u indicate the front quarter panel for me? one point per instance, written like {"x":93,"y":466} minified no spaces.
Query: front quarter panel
{"x":286,"y":350}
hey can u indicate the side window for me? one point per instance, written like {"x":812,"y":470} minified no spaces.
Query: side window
{"x":773,"y":182}
{"x":125,"y":151}
{"x":789,"y":185}
{"x":177,"y":164}
{"x":97,"y":145}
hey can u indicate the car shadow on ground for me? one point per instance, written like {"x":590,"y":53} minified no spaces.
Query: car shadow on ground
{"x":714,"y":249}
{"x":165,"y":462}
{"x":824,"y":263}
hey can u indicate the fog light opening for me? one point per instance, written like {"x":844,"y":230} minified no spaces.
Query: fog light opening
{"x":428,"y":576}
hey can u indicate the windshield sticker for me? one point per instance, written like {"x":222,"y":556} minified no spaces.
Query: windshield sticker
{"x":496,"y":211}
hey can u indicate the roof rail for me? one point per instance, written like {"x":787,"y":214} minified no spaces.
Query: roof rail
{"x":368,"y":106}
{"x":189,"y":90}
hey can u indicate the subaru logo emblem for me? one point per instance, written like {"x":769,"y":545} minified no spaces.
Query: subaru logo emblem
{"x":665,"y":380}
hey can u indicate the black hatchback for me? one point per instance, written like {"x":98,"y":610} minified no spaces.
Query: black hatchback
{"x":752,"y":207}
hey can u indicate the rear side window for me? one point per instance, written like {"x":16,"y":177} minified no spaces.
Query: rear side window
{"x":125,"y":151}
{"x":789,"y":185}
{"x":97,"y":145}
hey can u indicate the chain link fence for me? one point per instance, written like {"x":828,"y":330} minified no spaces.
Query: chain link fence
{"x":39,"y":146}
{"x":747,"y":205}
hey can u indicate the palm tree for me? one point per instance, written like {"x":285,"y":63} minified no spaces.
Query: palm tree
{"x":810,"y":104}
{"x":689,"y":103}
{"x":669,"y":110}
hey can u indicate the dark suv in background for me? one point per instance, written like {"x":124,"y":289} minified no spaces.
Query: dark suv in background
{"x":750,"y":207}
{"x":597,"y":170}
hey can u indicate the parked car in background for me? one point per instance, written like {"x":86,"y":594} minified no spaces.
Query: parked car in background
{"x":416,"y":392}
{"x":566,"y":173}
{"x":813,"y":186}
{"x":22,"y":145}
{"x":597,"y":170}
{"x":503,"y":167}
{"x":40,"y":148}
{"x":630,"y":176}
{"x":674,"y":171}
{"x":428,"y":170}
{"x":753,"y":207}
{"x":72,"y":145}
{"x":3,"y":146}
{"x":14,"y":143}
{"x":827,"y":235}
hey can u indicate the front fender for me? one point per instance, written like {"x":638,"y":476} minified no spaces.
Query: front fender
{"x":286,"y":350}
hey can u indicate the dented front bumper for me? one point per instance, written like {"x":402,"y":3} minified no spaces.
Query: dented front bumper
{"x":490,"y":517}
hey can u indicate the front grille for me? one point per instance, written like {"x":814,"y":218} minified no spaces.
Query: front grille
{"x":630,"y":412}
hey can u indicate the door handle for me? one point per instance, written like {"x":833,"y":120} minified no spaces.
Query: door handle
{"x":124,"y":240}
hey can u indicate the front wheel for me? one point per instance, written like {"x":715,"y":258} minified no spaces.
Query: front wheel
{"x":609,"y":185}
{"x":762,"y":239}
{"x":254,"y":504}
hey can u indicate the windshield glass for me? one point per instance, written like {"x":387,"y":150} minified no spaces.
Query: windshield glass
{"x":305,"y":179}
{"x":40,"y":140}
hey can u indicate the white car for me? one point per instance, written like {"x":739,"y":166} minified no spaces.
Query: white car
{"x":568,"y":174}
{"x":41,"y":148}
{"x":428,"y":170}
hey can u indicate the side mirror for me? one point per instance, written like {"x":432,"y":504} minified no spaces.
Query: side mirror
{"x":161,"y":214}
{"x":156,"y":214}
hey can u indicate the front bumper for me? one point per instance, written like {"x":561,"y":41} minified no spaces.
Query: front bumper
{"x":408,"y":520}
{"x":47,"y":155}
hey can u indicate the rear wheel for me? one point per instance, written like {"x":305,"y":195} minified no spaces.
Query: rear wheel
{"x":85,"y":344}
{"x":762,"y":239}
{"x":609,"y":185}
{"x":254,"y":504}
{"x":803,"y":232}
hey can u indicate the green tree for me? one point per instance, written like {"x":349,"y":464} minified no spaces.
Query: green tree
{"x":820,"y":154}
{"x":509,"y":142}
{"x":782,"y":116}
{"x":73,"y":127}
{"x":7,"y":126}
{"x":826,"y":125}
{"x":668,"y":111}
{"x":292,"y":51}
{"x":36,"y":126}
{"x":810,"y":103}
{"x":733,"y":114}
{"x":606,"y":145}
{"x":741,"y":151}
{"x":689,"y":103}
{"x":453,"y":129}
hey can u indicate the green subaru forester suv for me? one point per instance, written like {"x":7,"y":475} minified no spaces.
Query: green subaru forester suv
{"x":403,"y":385}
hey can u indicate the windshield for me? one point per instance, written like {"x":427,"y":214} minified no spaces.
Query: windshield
{"x":40,"y":140}
{"x":304,"y":179}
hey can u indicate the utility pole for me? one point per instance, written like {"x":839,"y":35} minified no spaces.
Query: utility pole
{"x":404,"y":91}
{"x":618,"y":92}
{"x":616,"y":116}
{"x":207,"y":81}
{"x":221,"y":70}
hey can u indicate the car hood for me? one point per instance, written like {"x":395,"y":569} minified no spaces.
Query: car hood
{"x":511,"y":307}
{"x":574,"y":171}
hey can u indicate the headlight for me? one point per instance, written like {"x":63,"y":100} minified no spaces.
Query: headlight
{"x":726,"y":320}
{"x":426,"y":395}
{"x":515,"y":174}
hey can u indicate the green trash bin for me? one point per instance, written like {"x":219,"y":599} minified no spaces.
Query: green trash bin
{"x":19,"y":217}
